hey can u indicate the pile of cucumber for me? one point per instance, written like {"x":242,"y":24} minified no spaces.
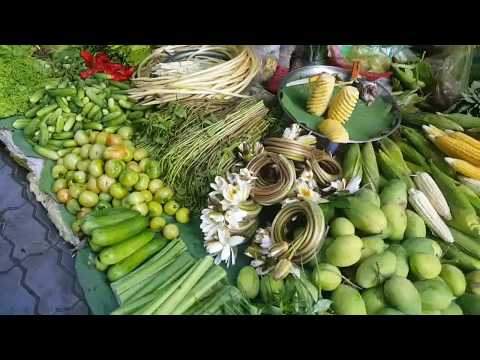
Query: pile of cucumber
{"x":62,"y":108}
{"x":122,"y":239}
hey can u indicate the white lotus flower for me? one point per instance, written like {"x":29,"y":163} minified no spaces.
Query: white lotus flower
{"x":292,"y":132}
{"x":287,"y":201}
{"x":305,"y":192}
{"x":219,"y":185}
{"x":341,"y":185}
{"x":263,"y":238}
{"x":211,"y":221}
{"x":307,"y":176}
{"x":234,"y":216}
{"x":224,"y":247}
{"x":233,"y":195}
{"x":246,"y":175}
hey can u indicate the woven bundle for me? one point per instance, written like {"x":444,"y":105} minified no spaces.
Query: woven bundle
{"x":189,"y":72}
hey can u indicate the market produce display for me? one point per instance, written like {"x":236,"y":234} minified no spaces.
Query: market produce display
{"x":155,"y":151}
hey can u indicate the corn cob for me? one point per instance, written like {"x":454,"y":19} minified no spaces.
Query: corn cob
{"x":466,"y":121}
{"x":343,"y":104}
{"x":370,"y":168}
{"x":321,"y":94}
{"x":464,"y":137}
{"x":415,"y":168}
{"x":432,"y":131}
{"x":472,"y":184}
{"x":422,"y":206}
{"x":458,"y":149}
{"x":392,"y":171}
{"x":425,"y":148}
{"x":334,"y":131}
{"x":352,"y":164}
{"x":429,"y":187}
{"x":412,"y":155}
{"x":464,"y":216}
{"x":464,"y":167}
{"x":422,"y":118}
{"x":394,"y":152}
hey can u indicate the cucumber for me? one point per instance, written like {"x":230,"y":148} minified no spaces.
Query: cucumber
{"x":115,"y":254}
{"x":106,"y":212}
{"x":113,"y":234}
{"x":95,"y":248}
{"x":132,"y":262}
{"x":96,"y":222}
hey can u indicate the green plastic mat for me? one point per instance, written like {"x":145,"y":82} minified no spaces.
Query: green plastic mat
{"x":366,"y":122}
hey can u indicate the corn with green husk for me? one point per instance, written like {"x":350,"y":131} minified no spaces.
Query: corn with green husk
{"x":411,"y":154}
{"x":392,"y":170}
{"x":352,"y":164}
{"x":464,"y":120}
{"x":463,"y":213}
{"x":422,"y":118}
{"x":394,"y":153}
{"x":371,"y":175}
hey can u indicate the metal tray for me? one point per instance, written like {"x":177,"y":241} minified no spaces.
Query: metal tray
{"x":344,"y":75}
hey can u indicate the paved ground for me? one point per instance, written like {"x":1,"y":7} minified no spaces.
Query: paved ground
{"x":37,"y":274}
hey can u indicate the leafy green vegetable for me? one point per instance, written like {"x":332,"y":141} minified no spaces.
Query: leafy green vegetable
{"x":130,"y":54}
{"x":20,"y":76}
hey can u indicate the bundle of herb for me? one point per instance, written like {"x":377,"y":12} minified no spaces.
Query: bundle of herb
{"x":20,"y":76}
{"x":203,"y":144}
{"x":469,"y":103}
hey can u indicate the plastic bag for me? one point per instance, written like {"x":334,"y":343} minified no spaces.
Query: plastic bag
{"x":451,"y":70}
{"x":268,"y":56}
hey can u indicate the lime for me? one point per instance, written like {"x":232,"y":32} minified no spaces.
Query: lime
{"x":157,"y":223}
{"x":171,"y":231}
{"x":171,"y":207}
{"x":182,"y":215}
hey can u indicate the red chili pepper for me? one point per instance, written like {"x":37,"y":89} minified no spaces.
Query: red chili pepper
{"x":102,"y":63}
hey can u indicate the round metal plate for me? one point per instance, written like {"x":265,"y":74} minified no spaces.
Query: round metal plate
{"x":310,"y":71}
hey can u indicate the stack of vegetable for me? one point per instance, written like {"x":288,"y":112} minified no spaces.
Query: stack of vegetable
{"x":173,"y":283}
{"x":61,"y":108}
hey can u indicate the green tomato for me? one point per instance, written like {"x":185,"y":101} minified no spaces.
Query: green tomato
{"x":147,"y":195}
{"x":163,"y":195}
{"x":118,"y":191}
{"x":101,"y":138}
{"x":104,"y":196}
{"x":143,"y":163}
{"x":182,"y":215}
{"x":157,"y":223}
{"x":59,"y":171}
{"x":116,"y":203}
{"x":132,"y":165}
{"x":95,"y":168}
{"x":113,"y":168}
{"x":75,"y":190}
{"x":84,"y":211}
{"x":155,"y":185}
{"x":73,"y":207}
{"x":80,"y":177}
{"x":135,"y":198}
{"x":152,"y":169}
{"x":154,"y":208}
{"x":60,"y":162}
{"x":59,"y":184}
{"x":83,"y":165}
{"x":71,"y":160}
{"x":171,"y":231}
{"x":126,"y":132}
{"x":85,"y":150}
{"x":92,"y":185}
{"x":140,"y":154}
{"x":129,"y":154}
{"x":81,"y":137}
{"x":141,"y":208}
{"x":171,"y":207}
{"x":125,"y":203}
{"x":88,"y":199}
{"x":92,"y":136}
{"x":128,"y":177}
{"x":142,"y":183}
{"x":103,"y":205}
{"x":104,"y":182}
{"x":76,"y":151}
{"x":96,"y":152}
{"x":63,"y":196}
{"x":69,"y":175}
